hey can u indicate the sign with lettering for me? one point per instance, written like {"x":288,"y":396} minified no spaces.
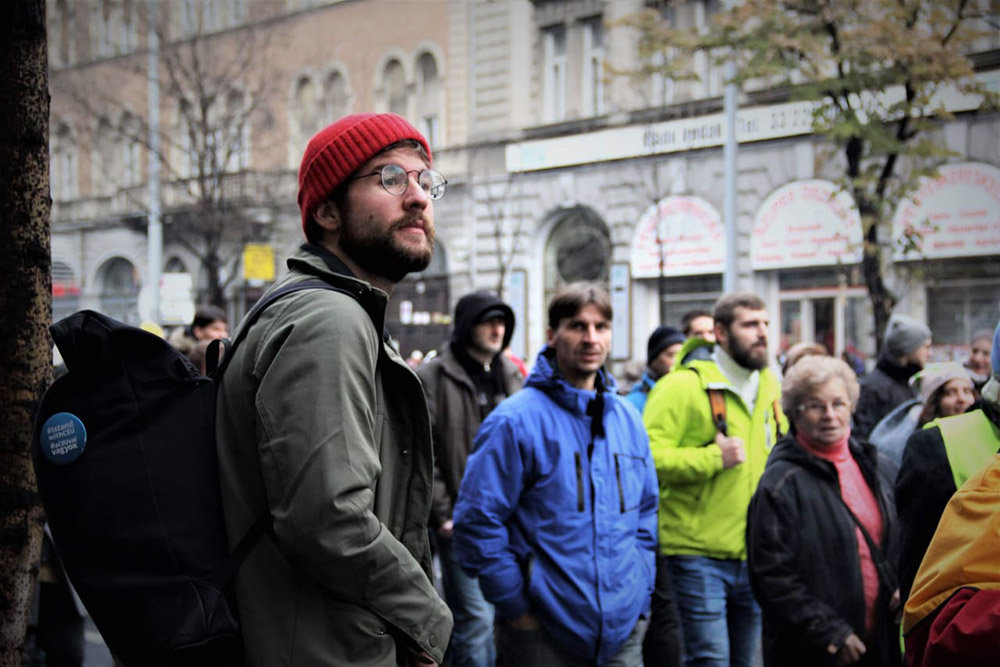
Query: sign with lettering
{"x":956,"y":214}
{"x":806,"y":223}
{"x":685,"y":234}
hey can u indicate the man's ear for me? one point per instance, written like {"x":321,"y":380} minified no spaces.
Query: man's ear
{"x":327,"y":217}
{"x":550,"y":336}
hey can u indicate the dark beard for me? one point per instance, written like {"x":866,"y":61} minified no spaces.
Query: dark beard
{"x":381,"y":256}
{"x":742,"y":356}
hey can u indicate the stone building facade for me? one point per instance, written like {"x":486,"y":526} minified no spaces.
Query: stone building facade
{"x":556,"y":172}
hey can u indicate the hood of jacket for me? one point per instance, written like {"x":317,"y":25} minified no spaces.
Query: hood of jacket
{"x":891,"y":367}
{"x":470,"y":309}
{"x":545,"y":377}
{"x":695,"y":349}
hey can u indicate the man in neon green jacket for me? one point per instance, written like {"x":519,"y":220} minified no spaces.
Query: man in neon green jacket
{"x":708,"y":462}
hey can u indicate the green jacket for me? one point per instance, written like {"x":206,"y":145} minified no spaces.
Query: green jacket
{"x":323,"y":424}
{"x":702,"y":506}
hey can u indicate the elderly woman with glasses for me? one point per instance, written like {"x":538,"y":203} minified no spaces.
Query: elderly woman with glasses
{"x":820,"y":543}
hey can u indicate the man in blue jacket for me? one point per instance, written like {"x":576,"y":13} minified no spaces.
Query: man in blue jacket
{"x":556,"y":514}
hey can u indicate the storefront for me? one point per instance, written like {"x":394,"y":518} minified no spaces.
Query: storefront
{"x":805,"y":248}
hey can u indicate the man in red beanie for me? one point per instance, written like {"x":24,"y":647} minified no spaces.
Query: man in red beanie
{"x":323,"y":428}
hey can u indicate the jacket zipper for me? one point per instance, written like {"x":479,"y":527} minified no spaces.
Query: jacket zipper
{"x":618,"y":476}
{"x":579,"y":483}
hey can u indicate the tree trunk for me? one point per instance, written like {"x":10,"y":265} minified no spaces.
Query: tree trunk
{"x":881,"y":298}
{"x":25,"y":306}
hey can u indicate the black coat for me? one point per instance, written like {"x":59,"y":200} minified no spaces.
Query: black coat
{"x":923,"y":488}
{"x":881,"y":390}
{"x":803,"y":559}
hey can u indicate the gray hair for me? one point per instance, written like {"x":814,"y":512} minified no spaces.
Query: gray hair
{"x":813,"y":371}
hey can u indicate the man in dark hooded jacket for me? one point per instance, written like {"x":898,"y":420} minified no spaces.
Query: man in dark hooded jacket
{"x":905,"y":350}
{"x":463,"y":383}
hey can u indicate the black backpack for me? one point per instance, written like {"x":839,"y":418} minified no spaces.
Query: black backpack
{"x":124,"y":453}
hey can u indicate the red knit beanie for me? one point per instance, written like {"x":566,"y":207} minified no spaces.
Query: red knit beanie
{"x":339,"y":149}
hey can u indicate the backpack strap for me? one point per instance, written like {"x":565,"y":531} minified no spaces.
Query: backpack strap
{"x":216,"y":368}
{"x":220,"y":351}
{"x":717,"y":403}
{"x":717,"y":400}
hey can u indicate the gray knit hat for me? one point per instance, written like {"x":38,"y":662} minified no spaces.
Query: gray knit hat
{"x":904,"y":335}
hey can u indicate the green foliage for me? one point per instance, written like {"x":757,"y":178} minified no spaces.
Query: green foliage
{"x":879,"y":71}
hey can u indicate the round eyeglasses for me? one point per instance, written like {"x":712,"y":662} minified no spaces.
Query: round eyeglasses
{"x":395,"y":180}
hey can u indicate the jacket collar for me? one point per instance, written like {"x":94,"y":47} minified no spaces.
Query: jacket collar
{"x":545,"y":377}
{"x":315,"y":260}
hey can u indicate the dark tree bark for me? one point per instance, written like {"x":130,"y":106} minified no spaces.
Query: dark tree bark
{"x":25,"y":305}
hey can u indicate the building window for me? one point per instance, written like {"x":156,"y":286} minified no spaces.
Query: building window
{"x":119,"y":290}
{"x":64,"y":164}
{"x":62,"y":31}
{"x":593,"y":66}
{"x":307,"y":109}
{"x":102,"y":22}
{"x":429,"y":91}
{"x":338,"y":96}
{"x":554,"y":81}
{"x":579,"y":248}
{"x":235,"y":127}
{"x":104,"y":174}
{"x":130,"y":150}
{"x":394,"y":84}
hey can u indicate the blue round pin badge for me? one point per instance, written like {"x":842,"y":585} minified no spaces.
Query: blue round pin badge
{"x":63,"y":438}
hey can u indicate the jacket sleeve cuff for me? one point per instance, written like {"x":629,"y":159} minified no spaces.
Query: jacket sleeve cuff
{"x":514,"y":606}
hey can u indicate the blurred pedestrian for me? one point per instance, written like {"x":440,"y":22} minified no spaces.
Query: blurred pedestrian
{"x":209,"y":323}
{"x":556,"y":514}
{"x":952,"y":616}
{"x":937,"y":460}
{"x":944,"y":390}
{"x":661,"y":352}
{"x":800,"y":350}
{"x":819,"y":532}
{"x":978,"y":363}
{"x":905,"y":350}
{"x":712,"y":423}
{"x":698,"y":323}
{"x":468,"y":378}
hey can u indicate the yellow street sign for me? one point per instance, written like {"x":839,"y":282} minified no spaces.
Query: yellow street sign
{"x":258,"y":262}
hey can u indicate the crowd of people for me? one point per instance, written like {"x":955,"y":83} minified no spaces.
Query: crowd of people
{"x":714,"y":510}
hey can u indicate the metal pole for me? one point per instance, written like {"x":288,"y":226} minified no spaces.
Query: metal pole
{"x":729,"y":167}
{"x":155,"y":223}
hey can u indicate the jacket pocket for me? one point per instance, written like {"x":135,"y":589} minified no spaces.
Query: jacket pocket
{"x":579,"y":482}
{"x":629,"y":474}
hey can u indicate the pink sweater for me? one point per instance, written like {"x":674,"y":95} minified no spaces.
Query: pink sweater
{"x":859,"y":497}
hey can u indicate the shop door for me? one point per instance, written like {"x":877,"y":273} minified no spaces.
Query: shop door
{"x":840,"y":320}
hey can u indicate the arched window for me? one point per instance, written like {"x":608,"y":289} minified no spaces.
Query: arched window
{"x":62,"y":33}
{"x":237,"y":131}
{"x":579,"y":248}
{"x":118,"y":282}
{"x":130,"y":150}
{"x":394,"y":84}
{"x":338,"y":96}
{"x":175,"y":265}
{"x":428,"y":98}
{"x":64,"y":165}
{"x":103,"y":173}
{"x":307,"y":108}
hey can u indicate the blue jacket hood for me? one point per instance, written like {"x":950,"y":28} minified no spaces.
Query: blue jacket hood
{"x":545,"y":377}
